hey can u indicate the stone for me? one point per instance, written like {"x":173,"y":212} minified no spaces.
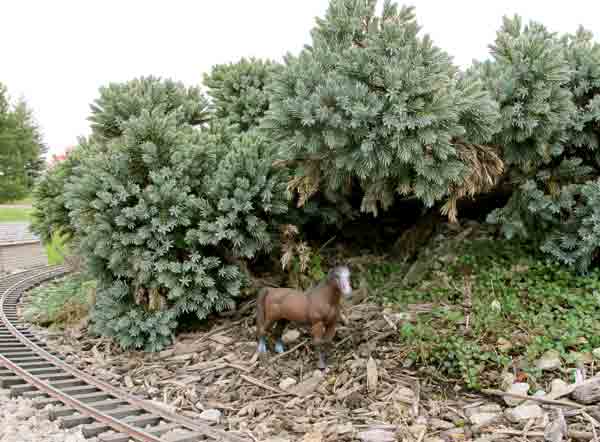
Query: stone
{"x":290,"y":336}
{"x":524,"y":412}
{"x":506,"y":380}
{"x":539,"y":393}
{"x":483,"y":419}
{"x":504,"y":344}
{"x":211,"y":415}
{"x":519,"y":388}
{"x":287,"y":383}
{"x":558,"y":388}
{"x":377,"y":435}
{"x":549,"y":361}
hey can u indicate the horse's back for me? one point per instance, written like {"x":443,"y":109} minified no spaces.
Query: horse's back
{"x":284,"y":303}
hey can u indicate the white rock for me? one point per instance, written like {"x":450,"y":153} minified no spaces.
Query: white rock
{"x":211,"y":415}
{"x":481,"y":419}
{"x":290,"y":336}
{"x":377,"y":436}
{"x":504,"y":344}
{"x":518,"y":388}
{"x":558,"y":388}
{"x":287,"y":383}
{"x":524,"y":412}
{"x":549,"y":361}
{"x":539,"y":393}
{"x":506,"y":380}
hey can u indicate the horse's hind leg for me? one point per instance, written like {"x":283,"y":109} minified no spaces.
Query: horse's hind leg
{"x":278,"y":332}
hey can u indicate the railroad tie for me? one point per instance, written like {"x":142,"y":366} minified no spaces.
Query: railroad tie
{"x":138,"y":421}
{"x":28,"y":368}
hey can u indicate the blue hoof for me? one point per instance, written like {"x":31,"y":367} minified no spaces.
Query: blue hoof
{"x":262,"y":345}
{"x":279,"y":347}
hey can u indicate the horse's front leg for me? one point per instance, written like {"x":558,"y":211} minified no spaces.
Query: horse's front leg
{"x":328,"y":335}
{"x":261,"y":331}
{"x":318,"y":332}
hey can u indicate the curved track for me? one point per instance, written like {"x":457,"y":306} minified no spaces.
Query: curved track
{"x":29,"y":370}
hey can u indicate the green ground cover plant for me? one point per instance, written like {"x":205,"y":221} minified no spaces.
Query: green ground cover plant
{"x":522,"y":306}
{"x":60,"y":303}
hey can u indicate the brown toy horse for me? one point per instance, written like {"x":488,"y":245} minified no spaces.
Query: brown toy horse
{"x":319,"y":308}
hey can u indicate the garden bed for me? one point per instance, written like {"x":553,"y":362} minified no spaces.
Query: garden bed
{"x":217,"y":374}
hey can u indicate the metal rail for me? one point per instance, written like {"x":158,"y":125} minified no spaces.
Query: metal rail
{"x":32,"y":371}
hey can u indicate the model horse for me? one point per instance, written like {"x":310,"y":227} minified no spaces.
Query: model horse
{"x":318,"y":307}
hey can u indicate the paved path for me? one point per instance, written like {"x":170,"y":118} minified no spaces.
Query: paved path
{"x":16,"y":231}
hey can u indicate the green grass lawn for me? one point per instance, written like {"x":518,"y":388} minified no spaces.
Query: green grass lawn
{"x":25,"y":201}
{"x":9,"y":214}
{"x":56,"y":250}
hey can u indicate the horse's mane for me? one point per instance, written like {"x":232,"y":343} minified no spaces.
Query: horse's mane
{"x":324,"y":281}
{"x":318,"y":285}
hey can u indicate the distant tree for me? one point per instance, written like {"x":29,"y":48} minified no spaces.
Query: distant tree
{"x":21,"y":149}
{"x":50,"y":214}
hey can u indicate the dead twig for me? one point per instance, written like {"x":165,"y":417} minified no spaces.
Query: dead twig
{"x":593,"y":423}
{"x":572,"y":387}
{"x":265,"y":386}
{"x":533,"y":398}
{"x":572,"y":433}
{"x":291,"y":350}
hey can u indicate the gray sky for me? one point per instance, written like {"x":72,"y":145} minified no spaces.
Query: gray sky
{"x":57,"y":53}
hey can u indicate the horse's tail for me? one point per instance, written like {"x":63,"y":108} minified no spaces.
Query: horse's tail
{"x":260,"y":310}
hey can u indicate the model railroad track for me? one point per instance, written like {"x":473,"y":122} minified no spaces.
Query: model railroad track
{"x":30,"y":370}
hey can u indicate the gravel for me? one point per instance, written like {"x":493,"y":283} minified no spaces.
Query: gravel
{"x":20,"y":422}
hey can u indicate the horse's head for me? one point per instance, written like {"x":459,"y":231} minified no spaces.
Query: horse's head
{"x":340,"y":276}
